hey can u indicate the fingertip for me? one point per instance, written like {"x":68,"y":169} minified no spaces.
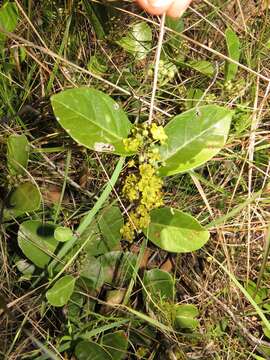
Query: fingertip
{"x":178,"y":7}
{"x":155,"y":7}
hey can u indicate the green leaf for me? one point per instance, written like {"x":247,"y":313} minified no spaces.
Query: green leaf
{"x":203,"y":66}
{"x":178,"y":26}
{"x":233,"y":46}
{"x":257,"y":357}
{"x":261,"y":293}
{"x":96,"y":14}
{"x":158,"y":285}
{"x":138,"y":41}
{"x":37,"y":242}
{"x":75,"y":306}
{"x":110,"y":223}
{"x":104,"y":233}
{"x":8,"y":19}
{"x":63,"y":234}
{"x":185,"y":316}
{"x":17,"y":154}
{"x":61,"y":291}
{"x":118,"y":266}
{"x":25,"y":198}
{"x":92,"y":118}
{"x":97,"y":66}
{"x":174,"y":231}
{"x":88,"y":350}
{"x":194,"y":95}
{"x":91,"y":272}
{"x":116,"y":344}
{"x":175,"y":24}
{"x":194,"y":137}
{"x":266,"y":331}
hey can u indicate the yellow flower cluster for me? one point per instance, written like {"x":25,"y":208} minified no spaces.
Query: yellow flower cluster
{"x":158,"y":133}
{"x":143,"y":188}
{"x":146,"y":190}
{"x":132,"y":144}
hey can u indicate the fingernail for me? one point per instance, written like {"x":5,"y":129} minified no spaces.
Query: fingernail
{"x":160,"y":3}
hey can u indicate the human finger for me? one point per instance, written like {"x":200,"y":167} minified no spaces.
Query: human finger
{"x":155,"y":7}
{"x":177,"y":8}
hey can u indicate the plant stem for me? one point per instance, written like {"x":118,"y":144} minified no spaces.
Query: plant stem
{"x":158,"y":52}
{"x":87,"y":219}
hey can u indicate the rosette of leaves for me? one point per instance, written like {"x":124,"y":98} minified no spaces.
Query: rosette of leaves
{"x":193,"y":137}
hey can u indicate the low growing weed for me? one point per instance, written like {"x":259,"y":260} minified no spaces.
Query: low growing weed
{"x":134,"y":195}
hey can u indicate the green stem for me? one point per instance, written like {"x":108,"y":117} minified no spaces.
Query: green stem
{"x":63,"y":188}
{"x":89,"y":217}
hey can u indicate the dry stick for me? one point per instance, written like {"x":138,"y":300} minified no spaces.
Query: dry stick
{"x":30,"y":23}
{"x":242,"y":15}
{"x":254,"y":126}
{"x":155,"y":81}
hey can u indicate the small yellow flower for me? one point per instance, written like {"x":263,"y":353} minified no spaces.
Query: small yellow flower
{"x":131,"y":163}
{"x":143,"y":189}
{"x":132,"y":144}
{"x":158,"y":133}
{"x":130,"y":187}
{"x":127,"y":232}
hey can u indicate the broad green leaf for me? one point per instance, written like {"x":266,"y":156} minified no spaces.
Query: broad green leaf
{"x":158,"y":286}
{"x":175,"y":24}
{"x":91,"y":272}
{"x":63,"y":234}
{"x":61,"y":291}
{"x":203,"y":66}
{"x":71,"y":254}
{"x":185,"y":316}
{"x":25,"y":198}
{"x":110,"y":223}
{"x":174,"y":231}
{"x":115,"y":297}
{"x":37,"y":241}
{"x":194,"y":137}
{"x":138,"y":41}
{"x":88,"y":350}
{"x":116,"y":344}
{"x":104,"y":233}
{"x":118,"y":266}
{"x":178,"y":26}
{"x":92,"y":118}
{"x":233,"y":46}
{"x":8,"y":19}
{"x":17,"y":154}
{"x":75,"y":305}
